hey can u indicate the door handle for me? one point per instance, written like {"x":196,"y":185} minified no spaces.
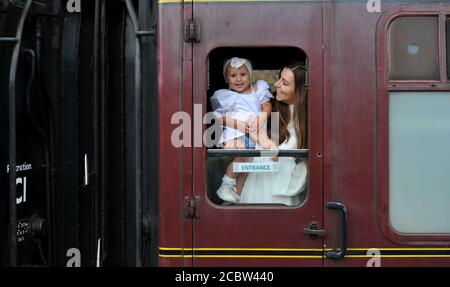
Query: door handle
{"x":335,"y":254}
{"x":313,"y":231}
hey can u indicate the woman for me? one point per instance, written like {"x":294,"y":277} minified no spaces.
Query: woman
{"x":288,"y":185}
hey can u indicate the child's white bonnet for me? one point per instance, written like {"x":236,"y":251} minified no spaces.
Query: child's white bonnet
{"x":236,"y":62}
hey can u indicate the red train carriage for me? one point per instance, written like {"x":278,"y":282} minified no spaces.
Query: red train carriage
{"x":378,"y":126}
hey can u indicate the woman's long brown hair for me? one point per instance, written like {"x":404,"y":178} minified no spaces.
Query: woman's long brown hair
{"x":300,"y":115}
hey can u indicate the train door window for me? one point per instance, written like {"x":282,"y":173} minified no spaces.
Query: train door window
{"x":414,"y":48}
{"x":254,"y":171}
{"x":414,"y":126}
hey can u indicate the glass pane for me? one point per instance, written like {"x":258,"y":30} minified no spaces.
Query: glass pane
{"x":414,"y":49}
{"x":259,"y":180}
{"x":447,"y":31}
{"x":419,"y":162}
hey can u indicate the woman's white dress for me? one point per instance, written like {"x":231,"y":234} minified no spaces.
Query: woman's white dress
{"x":284,"y":186}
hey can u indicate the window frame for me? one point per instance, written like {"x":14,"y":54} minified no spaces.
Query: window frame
{"x":384,"y":87}
{"x":256,"y":206}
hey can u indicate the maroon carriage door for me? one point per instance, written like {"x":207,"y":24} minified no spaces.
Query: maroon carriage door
{"x":255,"y":234}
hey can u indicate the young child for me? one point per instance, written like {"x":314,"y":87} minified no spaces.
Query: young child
{"x":243,"y":107}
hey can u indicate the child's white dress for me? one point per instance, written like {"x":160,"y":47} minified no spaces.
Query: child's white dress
{"x":239,"y":106}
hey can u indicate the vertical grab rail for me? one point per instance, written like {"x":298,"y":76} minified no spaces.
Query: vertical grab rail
{"x":138,"y":127}
{"x":339,"y":254}
{"x":12,"y":134}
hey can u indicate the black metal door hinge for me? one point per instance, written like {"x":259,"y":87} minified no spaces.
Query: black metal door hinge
{"x":149,"y":33}
{"x":191,"y":207}
{"x":192,"y":30}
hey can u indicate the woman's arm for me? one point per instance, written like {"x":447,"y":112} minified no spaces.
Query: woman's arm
{"x":265,"y":113}
{"x":261,"y":137}
{"x":257,"y":122}
{"x":265,"y":142}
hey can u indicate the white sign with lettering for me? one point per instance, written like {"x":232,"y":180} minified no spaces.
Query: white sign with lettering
{"x":255,"y":166}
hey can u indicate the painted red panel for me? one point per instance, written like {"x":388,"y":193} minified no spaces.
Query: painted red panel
{"x":269,"y":228}
{"x":174,"y":163}
{"x":360,"y":144}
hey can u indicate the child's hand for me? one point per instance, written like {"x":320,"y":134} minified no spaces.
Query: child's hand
{"x":242,"y":126}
